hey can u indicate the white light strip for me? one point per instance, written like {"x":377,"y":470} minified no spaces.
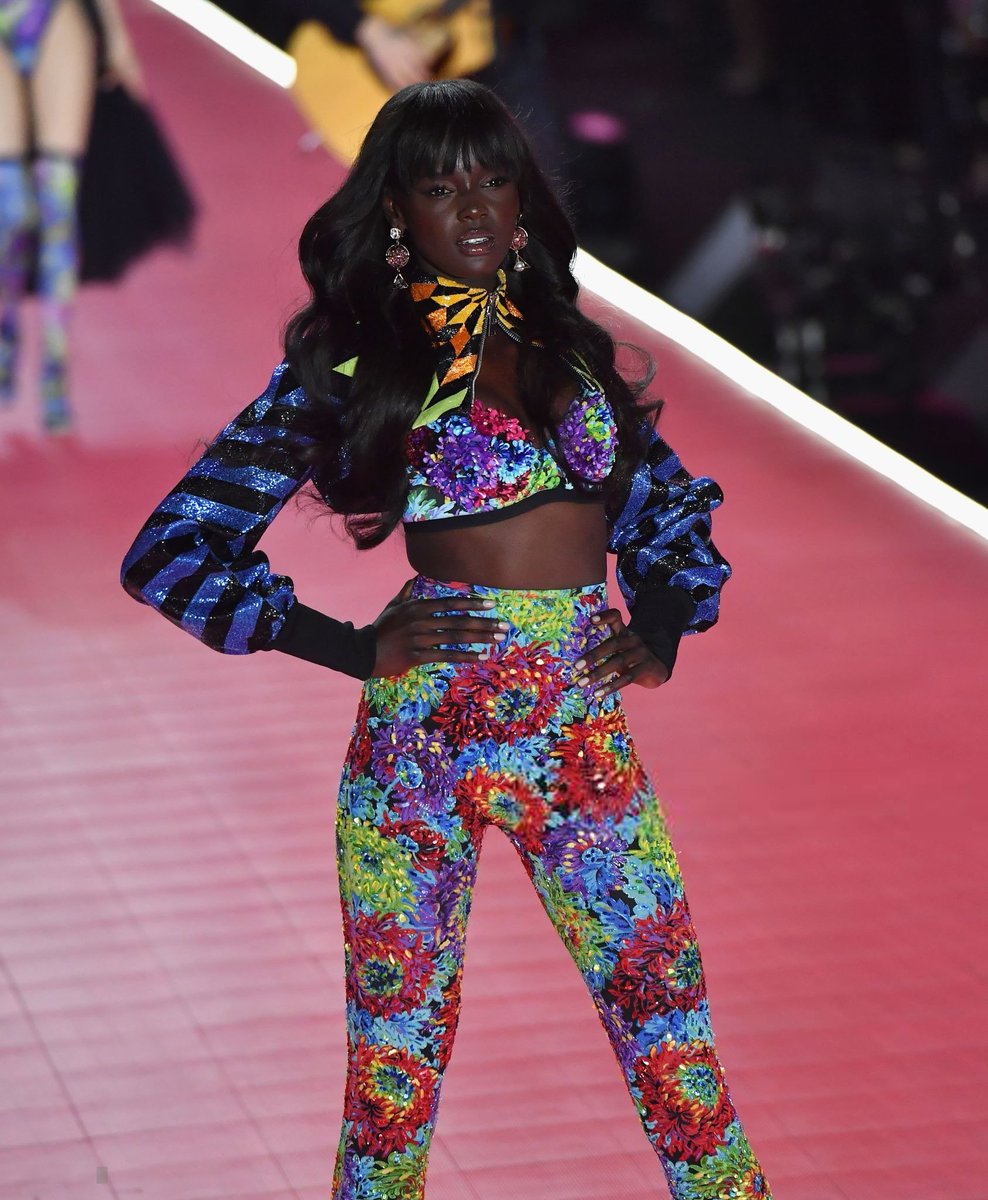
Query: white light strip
{"x":763,"y":385}
{"x":241,"y":42}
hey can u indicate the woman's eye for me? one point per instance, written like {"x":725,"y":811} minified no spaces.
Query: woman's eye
{"x":498,"y":181}
{"x":440,"y":189}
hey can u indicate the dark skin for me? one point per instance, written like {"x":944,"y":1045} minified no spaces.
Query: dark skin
{"x":460,"y":226}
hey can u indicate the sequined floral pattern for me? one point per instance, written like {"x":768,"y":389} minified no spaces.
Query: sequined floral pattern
{"x":586,"y":437}
{"x":438,"y":755}
{"x":195,"y":559}
{"x":483,"y":460}
{"x":466,"y":458}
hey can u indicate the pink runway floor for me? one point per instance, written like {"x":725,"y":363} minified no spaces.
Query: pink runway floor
{"x":170,"y":954}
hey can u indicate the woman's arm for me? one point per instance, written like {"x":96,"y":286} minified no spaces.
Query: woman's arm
{"x":394,"y":54}
{"x":195,"y":559}
{"x":669,"y":571}
{"x":122,"y":62}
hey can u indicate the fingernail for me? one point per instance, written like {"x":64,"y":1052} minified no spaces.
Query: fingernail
{"x":487,"y":604}
{"x":579,"y":664}
{"x":500,"y":637}
{"x":503,"y":625}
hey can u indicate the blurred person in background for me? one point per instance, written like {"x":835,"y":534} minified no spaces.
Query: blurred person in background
{"x":352,"y":54}
{"x":400,"y":44}
{"x":475,"y":406}
{"x":48,"y":78}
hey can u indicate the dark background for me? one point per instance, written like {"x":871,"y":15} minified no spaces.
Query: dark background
{"x":829,"y":218}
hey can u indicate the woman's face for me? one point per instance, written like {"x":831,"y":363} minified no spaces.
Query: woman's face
{"x":459,"y":225}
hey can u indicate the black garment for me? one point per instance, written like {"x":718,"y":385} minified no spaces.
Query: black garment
{"x":132,"y":195}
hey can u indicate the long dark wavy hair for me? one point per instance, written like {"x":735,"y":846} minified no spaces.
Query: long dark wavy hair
{"x":356,"y":453}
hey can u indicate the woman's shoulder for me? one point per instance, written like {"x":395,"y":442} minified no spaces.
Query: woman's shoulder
{"x":333,"y":382}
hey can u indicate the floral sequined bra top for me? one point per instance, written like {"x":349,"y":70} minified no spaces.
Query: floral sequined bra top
{"x":468,"y":462}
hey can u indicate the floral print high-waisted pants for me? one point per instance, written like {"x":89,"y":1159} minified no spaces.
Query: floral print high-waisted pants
{"x":437,"y":755}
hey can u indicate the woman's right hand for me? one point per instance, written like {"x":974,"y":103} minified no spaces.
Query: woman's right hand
{"x":412,"y":632}
{"x":394,"y":54}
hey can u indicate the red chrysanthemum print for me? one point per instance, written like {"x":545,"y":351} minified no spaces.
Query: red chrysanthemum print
{"x":418,"y":444}
{"x":685,"y":1099}
{"x":391,"y":967}
{"x":391,"y":1095}
{"x":360,"y":743}
{"x":506,"y":801}
{"x":445,"y":1021}
{"x":427,"y":846}
{"x":596,"y":769}
{"x":659,"y":969}
{"x":494,"y":423}
{"x":513,"y":696}
{"x":469,"y":816}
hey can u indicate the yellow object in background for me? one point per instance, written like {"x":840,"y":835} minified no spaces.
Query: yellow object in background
{"x":338,"y":91}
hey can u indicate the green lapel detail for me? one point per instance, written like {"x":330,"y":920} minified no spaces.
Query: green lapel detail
{"x":442,"y":405}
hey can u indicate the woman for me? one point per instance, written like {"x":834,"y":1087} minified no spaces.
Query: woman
{"x":480,"y":409}
{"x":48,"y":57}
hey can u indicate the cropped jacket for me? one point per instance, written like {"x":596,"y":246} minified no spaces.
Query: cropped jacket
{"x":196,"y":559}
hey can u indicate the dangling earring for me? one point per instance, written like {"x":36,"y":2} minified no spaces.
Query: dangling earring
{"x":519,"y":240}
{"x":397,"y":256}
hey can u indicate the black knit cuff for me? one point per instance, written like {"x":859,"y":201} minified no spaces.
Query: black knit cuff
{"x":319,"y":639}
{"x":659,"y":618}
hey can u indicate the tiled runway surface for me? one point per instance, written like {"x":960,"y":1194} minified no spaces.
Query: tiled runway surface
{"x":170,"y":984}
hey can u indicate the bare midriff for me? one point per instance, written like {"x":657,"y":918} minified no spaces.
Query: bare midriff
{"x":560,"y":544}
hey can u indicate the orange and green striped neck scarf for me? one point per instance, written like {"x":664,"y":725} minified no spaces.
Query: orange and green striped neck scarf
{"x":455,"y":315}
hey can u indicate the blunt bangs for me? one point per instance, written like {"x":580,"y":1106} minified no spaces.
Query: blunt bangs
{"x":452,"y":125}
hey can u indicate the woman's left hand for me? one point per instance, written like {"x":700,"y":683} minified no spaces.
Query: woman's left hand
{"x":621,"y":658}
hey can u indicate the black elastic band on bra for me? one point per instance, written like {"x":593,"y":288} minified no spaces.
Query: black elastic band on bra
{"x":552,"y":495}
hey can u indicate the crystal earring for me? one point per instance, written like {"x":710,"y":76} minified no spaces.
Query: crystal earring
{"x":397,"y":256}
{"x":519,"y":240}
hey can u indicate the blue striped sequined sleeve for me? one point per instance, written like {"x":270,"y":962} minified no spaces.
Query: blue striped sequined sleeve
{"x":662,"y":535}
{"x":195,"y":559}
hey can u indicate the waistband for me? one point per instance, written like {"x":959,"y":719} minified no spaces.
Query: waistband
{"x":424,"y":586}
{"x":559,"y":619}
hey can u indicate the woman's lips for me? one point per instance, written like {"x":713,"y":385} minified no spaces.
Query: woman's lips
{"x":475,"y":243}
